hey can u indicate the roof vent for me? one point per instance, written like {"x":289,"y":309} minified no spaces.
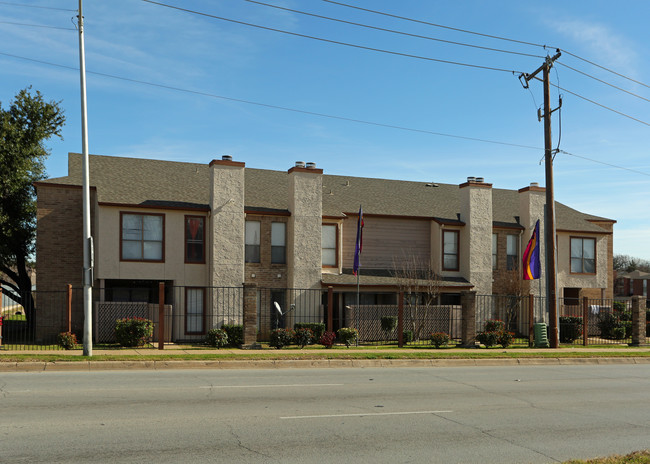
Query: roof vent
{"x":534,"y":184}
{"x":226,"y":157}
{"x":310,"y":165}
{"x":471,"y":179}
{"x":300,"y":164}
{"x":480,"y":179}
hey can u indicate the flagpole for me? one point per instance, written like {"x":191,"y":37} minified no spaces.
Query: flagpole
{"x":358,"y":310}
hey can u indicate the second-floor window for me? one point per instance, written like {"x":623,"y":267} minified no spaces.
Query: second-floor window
{"x":278,"y":243}
{"x":194,"y":239}
{"x":142,"y":237}
{"x":450,"y":250}
{"x":252,"y":241}
{"x":631,"y":286}
{"x":583,"y":255}
{"x":512,"y":252}
{"x":328,"y":244}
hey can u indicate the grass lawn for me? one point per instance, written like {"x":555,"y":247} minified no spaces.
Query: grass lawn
{"x":638,"y":457}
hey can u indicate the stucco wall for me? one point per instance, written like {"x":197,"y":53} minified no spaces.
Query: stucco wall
{"x":476,"y":236}
{"x":531,"y":208}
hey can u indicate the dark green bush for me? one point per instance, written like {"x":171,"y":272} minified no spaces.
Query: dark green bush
{"x":348,"y":335}
{"x":303,"y":337}
{"x":618,"y":333}
{"x":488,"y":338}
{"x":281,"y":337}
{"x":439,"y":339}
{"x":388,"y":323}
{"x":619,"y":306}
{"x":505,"y":338}
{"x":317,"y":328}
{"x":235,"y":334}
{"x":570,"y":328}
{"x":495,"y":325}
{"x":407,"y":336}
{"x":216,"y":338}
{"x":133,"y":331}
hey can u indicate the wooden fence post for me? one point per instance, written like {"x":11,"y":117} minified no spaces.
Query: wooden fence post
{"x":585,"y":321}
{"x":330,"y":309}
{"x":400,"y":319}
{"x":69,"y":308}
{"x":161,"y":316}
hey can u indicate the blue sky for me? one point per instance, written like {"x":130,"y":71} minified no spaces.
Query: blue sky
{"x":133,"y":40}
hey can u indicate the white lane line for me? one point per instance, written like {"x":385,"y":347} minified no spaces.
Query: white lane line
{"x":277,"y":386}
{"x":405,"y":413}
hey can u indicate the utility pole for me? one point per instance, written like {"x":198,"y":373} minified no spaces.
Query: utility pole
{"x":551,"y":255}
{"x":87,"y":238}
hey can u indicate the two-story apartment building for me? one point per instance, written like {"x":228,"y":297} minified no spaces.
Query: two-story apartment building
{"x":224,"y":224}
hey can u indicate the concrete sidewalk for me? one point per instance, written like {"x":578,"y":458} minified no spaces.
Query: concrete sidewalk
{"x":314,"y":358}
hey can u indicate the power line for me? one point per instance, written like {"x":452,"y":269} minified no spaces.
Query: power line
{"x":392,"y":31}
{"x":603,"y":82}
{"x":606,"y":164}
{"x":284,"y":108}
{"x":38,"y":25}
{"x":490,"y":36}
{"x":35,"y":6}
{"x":380,"y":50}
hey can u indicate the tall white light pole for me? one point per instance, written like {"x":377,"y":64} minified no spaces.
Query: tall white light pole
{"x":87,"y":239}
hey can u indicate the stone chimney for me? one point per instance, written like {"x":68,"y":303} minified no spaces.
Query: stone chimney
{"x":475,"y":248}
{"x":227,"y":222}
{"x":304,"y":228}
{"x":532,"y":201}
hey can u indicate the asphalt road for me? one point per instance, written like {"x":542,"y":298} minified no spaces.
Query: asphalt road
{"x":518,"y":414}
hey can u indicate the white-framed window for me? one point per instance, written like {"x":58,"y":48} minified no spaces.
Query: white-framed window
{"x":278,"y":242}
{"x":512,"y":252}
{"x":142,"y":237}
{"x":328,"y":244}
{"x":450,"y":250}
{"x":252,"y":241}
{"x":494,"y":251}
{"x":583,"y":255}
{"x":194,"y":310}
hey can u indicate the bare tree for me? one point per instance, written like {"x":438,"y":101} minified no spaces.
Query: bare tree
{"x":421,"y":286}
{"x":510,"y":287}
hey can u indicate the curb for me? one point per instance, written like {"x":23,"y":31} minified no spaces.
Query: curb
{"x":59,"y":366}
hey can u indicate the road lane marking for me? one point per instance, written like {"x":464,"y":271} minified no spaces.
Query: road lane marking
{"x":277,"y":386}
{"x":362,"y":414}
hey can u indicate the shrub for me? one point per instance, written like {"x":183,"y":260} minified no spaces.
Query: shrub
{"x":388,"y":323}
{"x":235,"y":334}
{"x":505,"y":338}
{"x":495,"y":325}
{"x":439,"y":339}
{"x":570,"y":328}
{"x":217,"y":338}
{"x":133,"y":331}
{"x":619,"y":306}
{"x":327,"y":339}
{"x":618,"y":333}
{"x":407,"y":336}
{"x":67,"y":340}
{"x":610,"y":326}
{"x":348,"y":335}
{"x":317,"y":328}
{"x":488,"y":338}
{"x":303,"y":337}
{"x":281,"y":337}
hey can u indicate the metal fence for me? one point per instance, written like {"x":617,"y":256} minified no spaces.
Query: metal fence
{"x":518,"y":313}
{"x":285,"y":307}
{"x":596,"y":322}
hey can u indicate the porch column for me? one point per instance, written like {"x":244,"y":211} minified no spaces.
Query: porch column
{"x":250,"y":316}
{"x":468,"y":303}
{"x":638,"y":321}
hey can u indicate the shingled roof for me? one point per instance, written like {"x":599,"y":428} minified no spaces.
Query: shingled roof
{"x":146,"y":182}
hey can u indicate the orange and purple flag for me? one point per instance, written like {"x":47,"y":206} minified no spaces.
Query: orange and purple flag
{"x":532,"y":265}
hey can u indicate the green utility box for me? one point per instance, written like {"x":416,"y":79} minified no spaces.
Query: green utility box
{"x":541,"y":335}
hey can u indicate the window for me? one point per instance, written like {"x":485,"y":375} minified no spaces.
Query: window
{"x":494,"y":251}
{"x":194,"y":239}
{"x":512,"y":251}
{"x":583,"y":255}
{"x":194,"y":309}
{"x":278,"y":243}
{"x":142,"y":237}
{"x":645,"y":288}
{"x":252,"y":241}
{"x":328,"y":244}
{"x":631,"y":286}
{"x":450,"y":250}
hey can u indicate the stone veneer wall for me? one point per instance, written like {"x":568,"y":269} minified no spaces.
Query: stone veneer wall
{"x":304,"y":230}
{"x":227,"y":226}
{"x":532,"y":201}
{"x":476,"y":236}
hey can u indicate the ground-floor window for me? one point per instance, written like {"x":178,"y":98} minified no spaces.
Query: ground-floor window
{"x":194,"y":311}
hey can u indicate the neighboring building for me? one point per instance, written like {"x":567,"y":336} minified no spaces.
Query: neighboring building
{"x":632,"y":283}
{"x":223,"y":224}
